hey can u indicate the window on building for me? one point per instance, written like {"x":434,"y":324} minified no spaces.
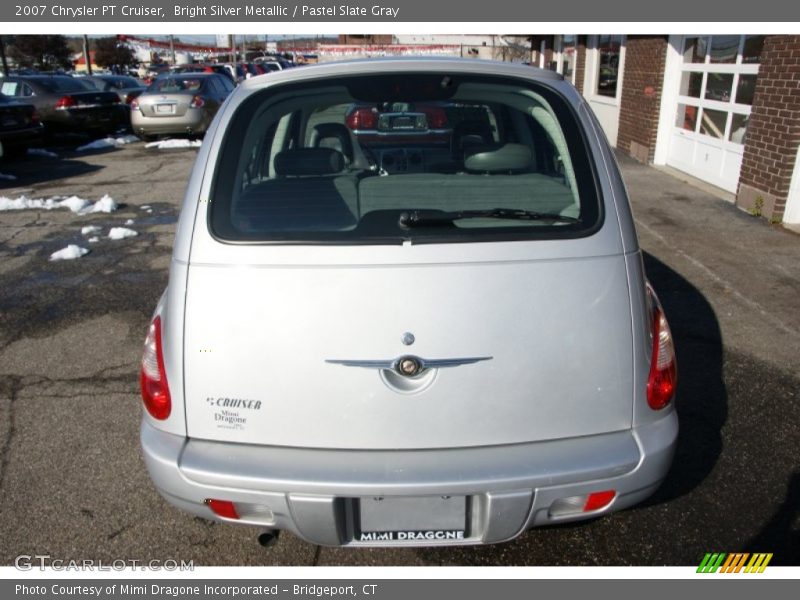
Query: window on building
{"x":568,"y":56}
{"x":609,"y":52}
{"x":717,"y":85}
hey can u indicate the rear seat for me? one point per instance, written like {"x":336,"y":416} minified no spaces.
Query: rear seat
{"x":494,"y":178}
{"x":310,"y":192}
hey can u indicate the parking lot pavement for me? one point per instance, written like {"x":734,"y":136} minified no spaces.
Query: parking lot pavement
{"x":72,"y":483}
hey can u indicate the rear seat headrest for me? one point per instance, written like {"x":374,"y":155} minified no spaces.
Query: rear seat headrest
{"x":309,"y":161}
{"x":509,"y":157}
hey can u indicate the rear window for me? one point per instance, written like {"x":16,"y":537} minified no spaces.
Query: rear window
{"x":62,"y":84}
{"x":171,"y":85}
{"x":422,"y":158}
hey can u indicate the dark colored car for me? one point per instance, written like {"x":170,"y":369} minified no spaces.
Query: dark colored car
{"x":20,"y":127}
{"x":127,"y":88}
{"x":65,"y":105}
{"x":181,"y":103}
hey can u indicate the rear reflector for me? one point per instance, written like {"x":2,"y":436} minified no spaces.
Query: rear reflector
{"x":598,"y":500}
{"x":574,"y":505}
{"x":222,"y":508}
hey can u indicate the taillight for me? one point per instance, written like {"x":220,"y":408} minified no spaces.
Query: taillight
{"x":65,"y":102}
{"x":129,"y":98}
{"x":35,"y":119}
{"x":153,"y":376}
{"x":363,"y":118}
{"x":663,"y":378}
{"x":197,"y":102}
{"x":134,"y":104}
{"x":437,"y":118}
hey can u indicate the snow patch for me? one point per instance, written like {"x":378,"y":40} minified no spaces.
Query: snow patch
{"x":129,"y":222}
{"x":41,"y":152}
{"x":71,"y":252}
{"x":144,"y":207}
{"x":118,"y":233}
{"x":106,"y":204}
{"x":89,"y":229}
{"x":93,"y":240}
{"x":166,"y":144}
{"x":77,"y":205}
{"x":9,"y":177}
{"x":108,"y":142}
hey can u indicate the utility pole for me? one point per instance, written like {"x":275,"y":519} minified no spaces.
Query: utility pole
{"x":3,"y":56}
{"x":172,"y":48}
{"x":86,"y":55}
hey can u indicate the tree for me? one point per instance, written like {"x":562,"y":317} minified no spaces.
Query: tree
{"x":41,"y":51}
{"x":110,"y":51}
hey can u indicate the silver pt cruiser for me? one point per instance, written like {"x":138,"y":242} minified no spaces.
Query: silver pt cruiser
{"x":407,"y":306}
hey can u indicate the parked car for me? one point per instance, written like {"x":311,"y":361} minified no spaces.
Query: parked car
{"x":450,"y":351}
{"x":20,"y":127}
{"x":253,"y":70}
{"x":183,"y":103}
{"x":273,"y":63}
{"x":127,"y":88}
{"x":65,"y":105}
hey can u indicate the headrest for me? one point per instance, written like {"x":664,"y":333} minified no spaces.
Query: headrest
{"x":509,"y":157}
{"x":328,"y":131}
{"x":309,"y":161}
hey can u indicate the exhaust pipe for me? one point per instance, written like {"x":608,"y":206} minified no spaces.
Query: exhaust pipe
{"x":268,"y":538}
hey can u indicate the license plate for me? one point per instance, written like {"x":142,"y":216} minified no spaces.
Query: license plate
{"x":165,"y":108}
{"x":415,"y":519}
{"x":10,"y":122}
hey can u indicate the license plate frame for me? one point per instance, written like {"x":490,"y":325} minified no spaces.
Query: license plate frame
{"x":165,"y":109}
{"x":426,"y":519}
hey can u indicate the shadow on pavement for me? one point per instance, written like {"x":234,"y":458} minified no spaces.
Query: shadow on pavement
{"x":781,"y":534}
{"x":702,"y":398}
{"x":37,"y":169}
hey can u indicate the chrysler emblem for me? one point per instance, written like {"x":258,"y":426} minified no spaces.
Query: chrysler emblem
{"x":408,"y":366}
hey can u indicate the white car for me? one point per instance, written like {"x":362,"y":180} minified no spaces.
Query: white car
{"x":416,"y":339}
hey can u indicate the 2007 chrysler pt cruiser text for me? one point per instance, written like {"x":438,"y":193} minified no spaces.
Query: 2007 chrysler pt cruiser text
{"x":406,"y":306}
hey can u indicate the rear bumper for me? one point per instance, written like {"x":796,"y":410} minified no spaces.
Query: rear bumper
{"x":313,"y":492}
{"x":21,"y":137}
{"x":103,"y":119}
{"x":193,"y":121}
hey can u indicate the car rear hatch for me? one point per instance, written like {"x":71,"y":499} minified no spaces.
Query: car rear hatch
{"x":524,"y":336}
{"x":264,"y":343}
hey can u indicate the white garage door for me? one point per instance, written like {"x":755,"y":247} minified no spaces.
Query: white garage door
{"x":717,"y":82}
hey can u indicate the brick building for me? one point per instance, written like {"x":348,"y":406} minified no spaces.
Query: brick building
{"x":724,"y":109}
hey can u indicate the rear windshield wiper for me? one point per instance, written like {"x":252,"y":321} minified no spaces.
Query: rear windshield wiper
{"x":418,"y":218}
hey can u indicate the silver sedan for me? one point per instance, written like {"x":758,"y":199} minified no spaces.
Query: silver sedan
{"x":182,"y":103}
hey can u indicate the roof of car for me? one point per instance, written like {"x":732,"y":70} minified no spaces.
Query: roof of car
{"x":405,"y":63}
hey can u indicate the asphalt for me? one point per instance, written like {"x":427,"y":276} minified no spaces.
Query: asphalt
{"x":73,"y":485}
